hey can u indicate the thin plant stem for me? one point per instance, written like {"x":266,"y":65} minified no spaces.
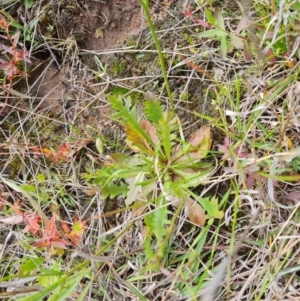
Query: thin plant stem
{"x":145,"y":6}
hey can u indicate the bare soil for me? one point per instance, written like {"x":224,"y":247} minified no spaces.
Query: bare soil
{"x":86,"y":27}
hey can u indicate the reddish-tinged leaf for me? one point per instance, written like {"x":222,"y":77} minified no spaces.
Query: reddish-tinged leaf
{"x":248,"y":52}
{"x":251,"y":178}
{"x":7,"y":49}
{"x":195,"y":212}
{"x":188,"y":12}
{"x":12,"y":220}
{"x":33,"y":225}
{"x":201,"y":138}
{"x":241,"y":152}
{"x":16,"y":207}
{"x":150,"y":130}
{"x":4,"y":37}
{"x":136,"y":141}
{"x":60,"y":244}
{"x":65,"y":227}
{"x":3,"y":23}
{"x":250,"y":182}
{"x":224,"y":148}
{"x":51,"y":238}
{"x":51,"y":230}
{"x":201,"y":141}
{"x":74,"y":238}
{"x":53,"y":159}
{"x":271,"y":56}
{"x":242,"y":24}
{"x":37,"y":150}
{"x":202,"y":23}
{"x":62,"y":154}
{"x":42,"y":243}
{"x":51,"y":244}
{"x":22,"y":56}
{"x":63,"y":150}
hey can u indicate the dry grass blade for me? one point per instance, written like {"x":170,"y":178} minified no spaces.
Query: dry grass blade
{"x":196,"y":213}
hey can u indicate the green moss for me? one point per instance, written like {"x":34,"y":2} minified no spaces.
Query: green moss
{"x":50,"y":131}
{"x":137,"y":97}
{"x":131,"y":42}
{"x":119,"y":68}
{"x":188,"y":38}
{"x":185,"y":96}
{"x":14,"y":167}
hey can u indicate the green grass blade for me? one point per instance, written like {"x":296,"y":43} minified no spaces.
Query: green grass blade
{"x":68,"y":288}
{"x":39,"y":296}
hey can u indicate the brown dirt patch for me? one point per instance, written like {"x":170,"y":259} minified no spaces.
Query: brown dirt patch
{"x":97,"y":25}
{"x":89,"y":25}
{"x":46,"y":84}
{"x":109,"y":24}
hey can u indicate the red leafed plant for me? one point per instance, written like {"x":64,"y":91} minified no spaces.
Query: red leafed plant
{"x":190,"y":14}
{"x":11,"y":64}
{"x":62,"y":153}
{"x":51,"y":239}
{"x":32,"y":220}
{"x":239,"y":161}
{"x":32,"y":225}
{"x":77,"y":230}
